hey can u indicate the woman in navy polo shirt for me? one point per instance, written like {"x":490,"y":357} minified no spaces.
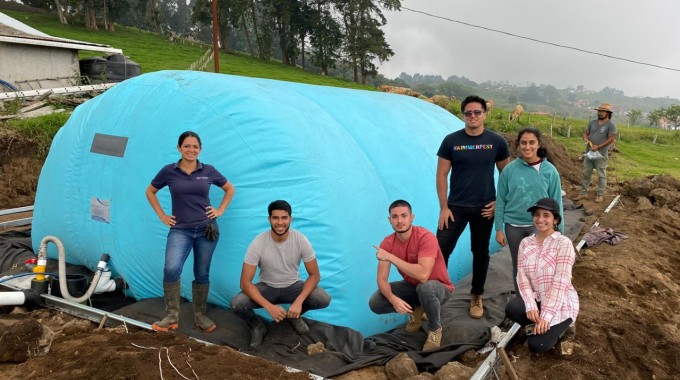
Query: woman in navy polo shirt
{"x":192,"y":226}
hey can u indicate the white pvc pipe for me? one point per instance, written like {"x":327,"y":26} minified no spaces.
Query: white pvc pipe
{"x":105,"y":284}
{"x":12,"y":298}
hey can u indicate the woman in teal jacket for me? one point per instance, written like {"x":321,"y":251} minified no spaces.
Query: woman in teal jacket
{"x":522,"y":182}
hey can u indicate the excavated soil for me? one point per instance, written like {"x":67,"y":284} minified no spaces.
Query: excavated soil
{"x":627,"y":327}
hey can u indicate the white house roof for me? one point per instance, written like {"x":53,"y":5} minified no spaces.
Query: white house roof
{"x":14,"y":31}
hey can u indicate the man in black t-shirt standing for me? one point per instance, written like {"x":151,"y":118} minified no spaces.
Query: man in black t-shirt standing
{"x":469,"y":155}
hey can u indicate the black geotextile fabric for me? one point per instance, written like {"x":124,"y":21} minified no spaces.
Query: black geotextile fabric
{"x":347,"y":349}
{"x":15,"y":249}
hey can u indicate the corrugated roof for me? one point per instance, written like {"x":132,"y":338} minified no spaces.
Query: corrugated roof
{"x":14,"y":31}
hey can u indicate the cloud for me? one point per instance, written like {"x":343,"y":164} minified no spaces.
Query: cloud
{"x":644,"y":32}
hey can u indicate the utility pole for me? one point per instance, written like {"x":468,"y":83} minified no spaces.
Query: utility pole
{"x":216,"y":43}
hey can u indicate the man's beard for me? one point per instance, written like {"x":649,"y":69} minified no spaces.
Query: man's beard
{"x":281,"y":234}
{"x":601,"y":117}
{"x":403,"y":231}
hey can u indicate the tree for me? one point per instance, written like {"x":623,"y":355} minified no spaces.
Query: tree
{"x":325,"y":37}
{"x":364,"y":41}
{"x":673,"y":116}
{"x":284,"y":12}
{"x":90,"y":16}
{"x":666,"y":118}
{"x":531,"y":95}
{"x":154,"y":15}
{"x":633,"y":116}
{"x":60,"y":12}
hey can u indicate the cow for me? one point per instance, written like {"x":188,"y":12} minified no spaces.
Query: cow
{"x":489,"y":106}
{"x":399,"y":90}
{"x":516,"y":113}
{"x":440,"y":100}
{"x":453,"y":98}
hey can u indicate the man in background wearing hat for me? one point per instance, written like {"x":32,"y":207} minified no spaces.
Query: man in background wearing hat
{"x":598,"y":136}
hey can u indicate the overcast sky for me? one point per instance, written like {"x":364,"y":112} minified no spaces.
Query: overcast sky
{"x":644,"y":31}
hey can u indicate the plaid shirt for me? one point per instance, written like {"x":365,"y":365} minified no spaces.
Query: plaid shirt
{"x":544,"y":275}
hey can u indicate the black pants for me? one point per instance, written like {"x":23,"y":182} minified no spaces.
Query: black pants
{"x":514,"y":236}
{"x":515,"y":311}
{"x":480,"y":234}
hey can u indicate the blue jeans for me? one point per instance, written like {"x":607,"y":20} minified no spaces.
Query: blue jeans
{"x":243,"y":306}
{"x":430,"y":294}
{"x":600,"y":166}
{"x":480,"y":234}
{"x":180,"y":242}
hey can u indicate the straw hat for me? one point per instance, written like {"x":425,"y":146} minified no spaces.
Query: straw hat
{"x":604,"y":107}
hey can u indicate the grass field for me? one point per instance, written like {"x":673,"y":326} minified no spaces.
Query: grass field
{"x":154,"y":52}
{"x":643,"y":151}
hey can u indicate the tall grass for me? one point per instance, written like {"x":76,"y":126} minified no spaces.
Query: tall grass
{"x":40,"y":130}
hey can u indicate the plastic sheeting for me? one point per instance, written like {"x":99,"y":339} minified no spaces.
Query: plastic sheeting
{"x":339,"y":156}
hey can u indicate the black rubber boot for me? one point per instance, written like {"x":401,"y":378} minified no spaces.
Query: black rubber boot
{"x":257,"y":332}
{"x":200,"y":299}
{"x":171,"y":295}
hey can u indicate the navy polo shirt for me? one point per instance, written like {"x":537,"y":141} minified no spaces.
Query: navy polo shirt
{"x":189,"y":192}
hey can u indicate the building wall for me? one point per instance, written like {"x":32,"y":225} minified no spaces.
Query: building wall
{"x":41,"y":66}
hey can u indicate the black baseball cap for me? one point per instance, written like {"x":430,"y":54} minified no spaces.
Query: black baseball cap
{"x":546,"y":204}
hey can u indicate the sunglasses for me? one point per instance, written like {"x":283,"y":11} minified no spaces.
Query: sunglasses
{"x":475,"y":112}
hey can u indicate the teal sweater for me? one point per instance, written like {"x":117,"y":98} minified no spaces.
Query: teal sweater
{"x":519,"y":187}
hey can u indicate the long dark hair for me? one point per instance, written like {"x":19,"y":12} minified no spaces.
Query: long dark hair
{"x":542,"y":152}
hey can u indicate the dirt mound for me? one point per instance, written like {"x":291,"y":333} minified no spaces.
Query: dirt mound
{"x":19,"y":170}
{"x":628,"y":325}
{"x":568,"y":166}
{"x":81,"y":351}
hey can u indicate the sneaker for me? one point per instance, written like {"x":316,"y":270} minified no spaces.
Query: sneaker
{"x":599,"y":199}
{"x":580,"y":197}
{"x":476,"y":306}
{"x":414,"y":319}
{"x":299,"y":325}
{"x":434,"y":339}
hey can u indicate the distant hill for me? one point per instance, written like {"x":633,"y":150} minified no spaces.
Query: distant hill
{"x":569,"y":102}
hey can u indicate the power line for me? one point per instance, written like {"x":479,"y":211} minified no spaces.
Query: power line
{"x":542,"y":42}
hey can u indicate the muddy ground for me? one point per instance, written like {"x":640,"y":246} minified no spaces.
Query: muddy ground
{"x":627,"y":327}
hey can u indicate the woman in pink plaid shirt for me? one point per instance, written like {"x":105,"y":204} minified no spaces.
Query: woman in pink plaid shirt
{"x":548,"y":299}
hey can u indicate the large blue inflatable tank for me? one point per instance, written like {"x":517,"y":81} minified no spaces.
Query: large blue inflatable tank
{"x":339,"y":156}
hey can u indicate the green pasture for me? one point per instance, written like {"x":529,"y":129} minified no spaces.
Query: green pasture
{"x":154,"y":52}
{"x":642,"y":151}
